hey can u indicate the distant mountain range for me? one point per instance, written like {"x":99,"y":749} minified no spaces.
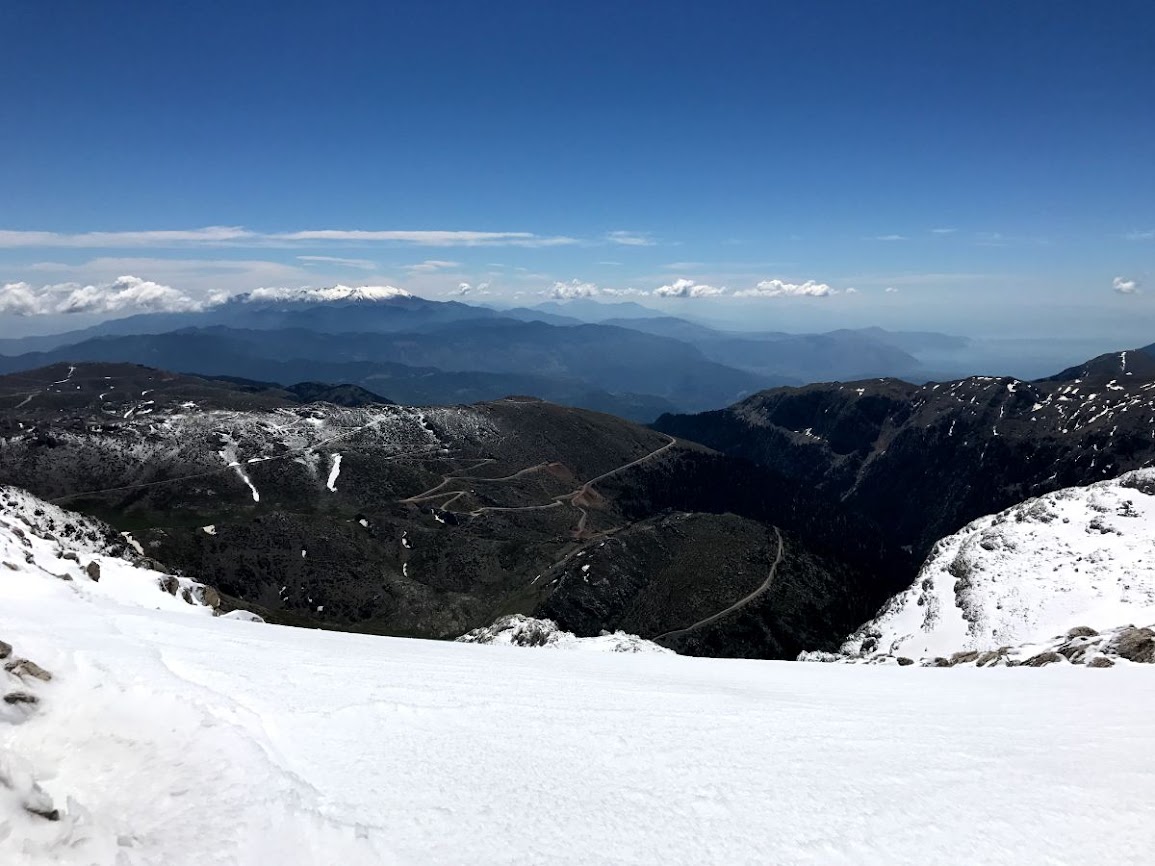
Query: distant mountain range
{"x":632,"y":362}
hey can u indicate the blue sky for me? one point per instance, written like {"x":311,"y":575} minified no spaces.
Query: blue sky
{"x":990,"y":163}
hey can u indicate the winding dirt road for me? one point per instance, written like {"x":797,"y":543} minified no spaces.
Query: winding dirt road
{"x":678,"y":632}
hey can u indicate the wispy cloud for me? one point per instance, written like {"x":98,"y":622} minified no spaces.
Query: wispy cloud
{"x":1125,"y":286}
{"x":630,"y":239}
{"x":363,"y":264}
{"x":891,"y":290}
{"x":890,"y":237}
{"x":1148,"y":235}
{"x":944,"y":231}
{"x":240,"y":236}
{"x":431,"y":266}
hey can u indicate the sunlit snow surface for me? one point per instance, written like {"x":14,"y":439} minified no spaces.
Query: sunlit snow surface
{"x":1078,"y":556}
{"x":172,"y":737}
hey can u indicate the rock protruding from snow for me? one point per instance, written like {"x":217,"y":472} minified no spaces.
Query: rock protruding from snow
{"x":1082,"y":556}
{"x":520,"y":630}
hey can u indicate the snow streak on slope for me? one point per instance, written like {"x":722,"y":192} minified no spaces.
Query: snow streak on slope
{"x":523,"y":631}
{"x":1082,"y":556}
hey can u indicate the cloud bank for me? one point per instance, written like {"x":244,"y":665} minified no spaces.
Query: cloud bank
{"x":122,"y":295}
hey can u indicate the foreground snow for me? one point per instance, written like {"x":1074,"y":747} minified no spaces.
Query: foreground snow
{"x":1082,"y":556}
{"x":169,"y":739}
{"x":524,"y":631}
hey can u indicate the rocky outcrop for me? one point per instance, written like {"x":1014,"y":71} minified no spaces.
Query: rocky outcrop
{"x":1081,"y":645}
{"x":524,"y":631}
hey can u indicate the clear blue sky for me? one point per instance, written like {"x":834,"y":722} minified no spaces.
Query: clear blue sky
{"x":984,"y":160}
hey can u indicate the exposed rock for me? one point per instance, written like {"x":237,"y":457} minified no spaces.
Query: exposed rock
{"x":169,"y":584}
{"x":11,"y":565}
{"x":1135,"y":644}
{"x":47,"y":814}
{"x":1101,"y":662}
{"x":21,"y":698}
{"x":25,"y":667}
{"x":1082,"y":631}
{"x":5,"y":650}
{"x":70,"y":554}
{"x":939,"y":662}
{"x":187,"y":595}
{"x":904,"y":661}
{"x":93,"y":571}
{"x":962,"y":658}
{"x":211,"y":597}
{"x":990,"y":657}
{"x":1042,"y":659}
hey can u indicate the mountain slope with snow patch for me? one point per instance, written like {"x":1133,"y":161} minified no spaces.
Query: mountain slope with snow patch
{"x":1081,"y":556}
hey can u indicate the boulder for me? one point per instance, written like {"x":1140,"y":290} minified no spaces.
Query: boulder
{"x":1135,"y":644}
{"x":1101,"y":662}
{"x":904,"y":661}
{"x":1043,"y":658}
{"x":966,"y":657}
{"x":93,"y":571}
{"x":5,"y":650}
{"x":21,"y":698}
{"x":1082,"y":631}
{"x":26,"y":668}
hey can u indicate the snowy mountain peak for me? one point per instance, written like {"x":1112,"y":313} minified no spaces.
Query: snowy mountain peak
{"x":325,"y":294}
{"x":1081,"y":556}
{"x":525,"y":631}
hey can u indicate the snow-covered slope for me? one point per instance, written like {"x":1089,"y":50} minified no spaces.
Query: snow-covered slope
{"x":38,"y":539}
{"x":169,"y":738}
{"x":524,"y":631}
{"x":1082,"y":556}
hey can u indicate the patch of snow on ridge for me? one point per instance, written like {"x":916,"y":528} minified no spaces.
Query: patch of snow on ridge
{"x":1081,"y":556}
{"x":524,"y":631}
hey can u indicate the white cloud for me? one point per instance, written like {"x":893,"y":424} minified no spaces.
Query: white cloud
{"x":573,"y":289}
{"x":464,"y":288}
{"x":891,"y":290}
{"x":431,"y":266}
{"x":240,"y":236}
{"x":852,"y":291}
{"x":1141,"y":235}
{"x":429,"y":238}
{"x":126,"y":294}
{"x":630,"y":239}
{"x":207,"y":235}
{"x":890,"y":237}
{"x":363,"y":264}
{"x":1125,"y":286}
{"x":781,"y":289}
{"x":943,"y":231}
{"x":687,"y":289}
